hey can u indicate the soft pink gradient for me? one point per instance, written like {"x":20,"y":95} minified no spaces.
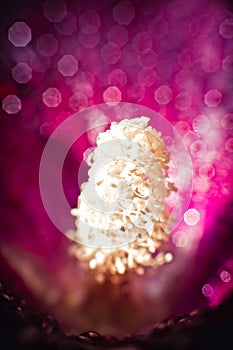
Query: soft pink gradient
{"x":174,"y":57}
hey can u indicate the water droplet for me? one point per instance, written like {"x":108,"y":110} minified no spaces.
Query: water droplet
{"x":204,"y":23}
{"x":90,"y":336}
{"x":39,"y":63}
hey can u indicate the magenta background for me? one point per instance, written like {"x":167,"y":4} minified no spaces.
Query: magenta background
{"x":24,"y":222}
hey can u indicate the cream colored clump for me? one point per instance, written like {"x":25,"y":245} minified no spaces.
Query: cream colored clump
{"x":121,"y":211}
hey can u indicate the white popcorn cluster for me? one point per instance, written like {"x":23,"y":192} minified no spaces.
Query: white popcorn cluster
{"x":121,"y":212}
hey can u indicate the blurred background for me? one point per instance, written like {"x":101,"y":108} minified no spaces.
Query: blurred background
{"x":61,"y":57}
